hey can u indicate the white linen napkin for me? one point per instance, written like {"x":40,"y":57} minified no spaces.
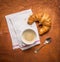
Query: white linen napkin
{"x":17,"y":23}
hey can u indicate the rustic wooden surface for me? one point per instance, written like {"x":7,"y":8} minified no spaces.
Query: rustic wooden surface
{"x":49,"y":53}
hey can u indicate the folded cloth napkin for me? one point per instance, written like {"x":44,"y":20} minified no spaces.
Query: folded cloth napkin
{"x":17,"y":23}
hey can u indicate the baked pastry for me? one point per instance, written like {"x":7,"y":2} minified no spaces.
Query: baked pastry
{"x":34,"y":18}
{"x":44,"y":22}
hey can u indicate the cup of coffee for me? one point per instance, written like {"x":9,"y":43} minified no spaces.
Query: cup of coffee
{"x":28,"y":36}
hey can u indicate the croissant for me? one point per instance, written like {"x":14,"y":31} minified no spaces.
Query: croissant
{"x":44,"y":22}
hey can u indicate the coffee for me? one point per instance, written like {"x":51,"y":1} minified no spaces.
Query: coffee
{"x":29,"y":35}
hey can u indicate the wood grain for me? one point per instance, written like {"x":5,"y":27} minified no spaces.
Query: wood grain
{"x":51,"y":52}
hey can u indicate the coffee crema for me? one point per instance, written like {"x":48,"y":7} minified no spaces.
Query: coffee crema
{"x":29,"y":35}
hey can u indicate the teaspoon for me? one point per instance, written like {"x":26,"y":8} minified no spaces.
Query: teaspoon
{"x":47,"y":41}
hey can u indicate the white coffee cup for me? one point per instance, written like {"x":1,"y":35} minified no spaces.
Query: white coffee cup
{"x":28,"y":36}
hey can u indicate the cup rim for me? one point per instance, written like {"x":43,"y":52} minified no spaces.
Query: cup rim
{"x":28,"y":43}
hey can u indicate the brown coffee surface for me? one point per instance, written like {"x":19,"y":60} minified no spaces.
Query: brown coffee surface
{"x":29,"y":35}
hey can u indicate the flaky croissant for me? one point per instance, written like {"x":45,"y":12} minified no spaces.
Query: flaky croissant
{"x":44,"y":22}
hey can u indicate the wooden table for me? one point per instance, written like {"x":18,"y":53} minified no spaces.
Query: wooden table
{"x":49,"y":53}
